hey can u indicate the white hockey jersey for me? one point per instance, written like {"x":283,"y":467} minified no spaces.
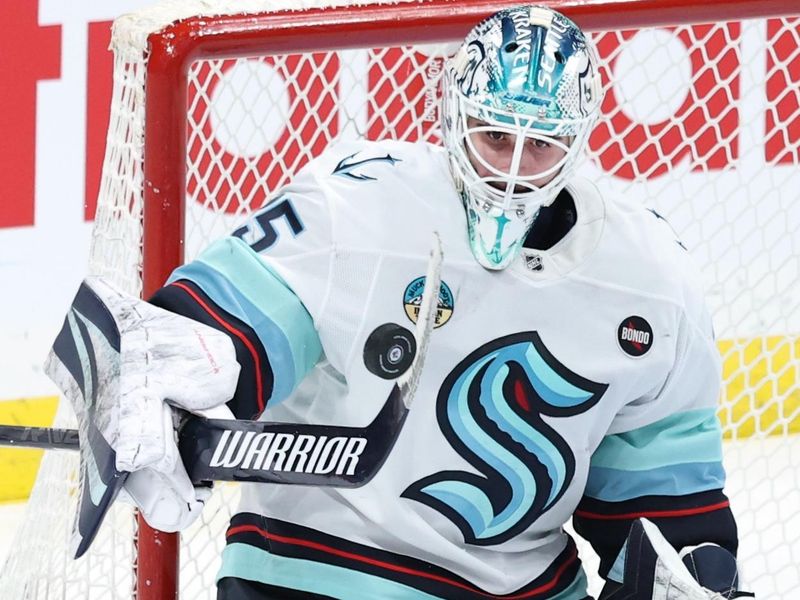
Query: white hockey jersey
{"x":531,"y":371}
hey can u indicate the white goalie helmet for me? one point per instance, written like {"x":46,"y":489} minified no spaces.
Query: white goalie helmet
{"x":519,"y":100}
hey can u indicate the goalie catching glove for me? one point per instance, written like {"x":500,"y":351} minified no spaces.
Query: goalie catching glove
{"x":125,"y":366}
{"x":651,"y":569}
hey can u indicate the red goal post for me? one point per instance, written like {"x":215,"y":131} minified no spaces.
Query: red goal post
{"x":159,"y":148}
{"x":173,"y":49}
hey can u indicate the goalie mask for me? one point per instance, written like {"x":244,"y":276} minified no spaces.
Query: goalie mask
{"x":519,"y":100}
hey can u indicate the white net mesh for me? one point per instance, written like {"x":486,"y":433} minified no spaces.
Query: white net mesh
{"x":700,"y":122}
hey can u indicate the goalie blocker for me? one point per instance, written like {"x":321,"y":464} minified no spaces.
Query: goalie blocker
{"x":126,"y":365}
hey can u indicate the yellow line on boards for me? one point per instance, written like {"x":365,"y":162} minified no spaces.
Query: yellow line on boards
{"x":761,"y":386}
{"x":18,"y":466}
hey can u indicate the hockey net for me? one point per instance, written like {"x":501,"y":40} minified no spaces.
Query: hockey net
{"x":217,"y":104}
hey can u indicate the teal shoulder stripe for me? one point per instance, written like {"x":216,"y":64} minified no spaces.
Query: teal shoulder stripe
{"x":244,"y":286}
{"x":254,"y":564}
{"x":686,"y":437}
{"x":615,"y":485}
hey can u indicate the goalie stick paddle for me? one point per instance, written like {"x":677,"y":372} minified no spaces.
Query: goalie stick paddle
{"x":230,"y":450}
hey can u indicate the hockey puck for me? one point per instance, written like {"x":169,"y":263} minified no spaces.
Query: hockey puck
{"x":389,"y":351}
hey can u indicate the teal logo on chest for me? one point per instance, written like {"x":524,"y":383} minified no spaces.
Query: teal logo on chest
{"x":497,"y":409}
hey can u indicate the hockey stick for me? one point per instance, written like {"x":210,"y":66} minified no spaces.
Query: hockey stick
{"x":45,"y":438}
{"x":233,"y":450}
{"x":267,"y":452}
{"x":225,"y":450}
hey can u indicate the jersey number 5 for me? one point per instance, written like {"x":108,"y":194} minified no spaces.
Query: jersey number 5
{"x":260,"y":232}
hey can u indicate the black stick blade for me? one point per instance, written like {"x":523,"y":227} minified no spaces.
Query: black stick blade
{"x":290,"y":453}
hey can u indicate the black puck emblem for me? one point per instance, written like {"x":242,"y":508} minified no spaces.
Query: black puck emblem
{"x":389,"y":351}
{"x":635,"y":336}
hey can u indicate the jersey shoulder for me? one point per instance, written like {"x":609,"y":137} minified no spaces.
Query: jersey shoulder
{"x":386,"y":196}
{"x":365,"y":184}
{"x":641,"y":251}
{"x":352,"y":165}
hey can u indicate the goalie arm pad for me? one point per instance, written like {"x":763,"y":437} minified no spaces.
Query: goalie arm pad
{"x":669,"y":472}
{"x":229,"y":288}
{"x":684,"y":521}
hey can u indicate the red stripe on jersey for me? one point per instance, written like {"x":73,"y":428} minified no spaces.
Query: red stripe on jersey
{"x":238,"y":334}
{"x":654,"y":513}
{"x":397,"y":568}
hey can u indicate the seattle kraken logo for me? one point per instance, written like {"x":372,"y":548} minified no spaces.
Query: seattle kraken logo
{"x":346,"y":167}
{"x":490,"y":409}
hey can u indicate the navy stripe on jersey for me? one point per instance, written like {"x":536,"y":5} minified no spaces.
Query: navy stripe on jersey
{"x":232,"y":588}
{"x":684,"y":520}
{"x":285,"y":539}
{"x":255,"y":384}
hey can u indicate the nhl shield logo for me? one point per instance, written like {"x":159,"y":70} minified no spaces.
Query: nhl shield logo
{"x":534,"y":262}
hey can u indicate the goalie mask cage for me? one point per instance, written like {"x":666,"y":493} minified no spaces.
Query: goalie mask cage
{"x":217,"y":103}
